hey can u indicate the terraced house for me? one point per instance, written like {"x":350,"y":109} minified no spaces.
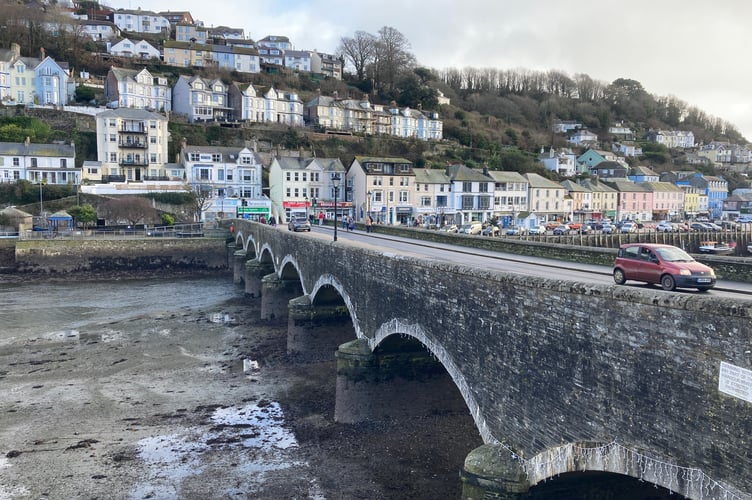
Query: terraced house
{"x":38,"y":163}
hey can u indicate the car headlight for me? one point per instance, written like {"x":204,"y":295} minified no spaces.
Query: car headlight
{"x":685,"y":272}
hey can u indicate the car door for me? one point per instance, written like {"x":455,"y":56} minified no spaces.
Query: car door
{"x":650,"y":266}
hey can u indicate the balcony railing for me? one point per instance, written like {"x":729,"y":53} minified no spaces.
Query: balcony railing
{"x":156,"y":178}
{"x":133,"y":144}
{"x":133,"y":129}
{"x":134,"y":162}
{"x":113,"y":178}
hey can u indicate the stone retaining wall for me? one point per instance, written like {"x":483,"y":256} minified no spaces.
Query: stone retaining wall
{"x":70,"y":256}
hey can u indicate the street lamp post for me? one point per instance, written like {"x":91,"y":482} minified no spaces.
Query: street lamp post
{"x":41,"y":207}
{"x":335,"y":183}
{"x":368,"y":204}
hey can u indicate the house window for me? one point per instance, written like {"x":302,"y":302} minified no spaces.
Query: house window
{"x":34,"y":163}
{"x":403,"y":197}
{"x":113,"y":157}
{"x":467,"y":203}
{"x":467,"y":187}
{"x":63,"y":163}
{"x":16,"y":162}
{"x":425,"y":201}
{"x":194,"y":156}
{"x":288,"y":176}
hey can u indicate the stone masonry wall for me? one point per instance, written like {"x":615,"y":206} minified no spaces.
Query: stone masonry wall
{"x":546,"y":361}
{"x":67,"y":256}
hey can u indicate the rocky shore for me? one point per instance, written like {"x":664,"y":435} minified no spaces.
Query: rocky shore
{"x":201,"y":403}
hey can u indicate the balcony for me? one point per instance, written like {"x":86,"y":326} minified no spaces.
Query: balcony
{"x":134,"y":162}
{"x":134,"y":128}
{"x":133,"y":144}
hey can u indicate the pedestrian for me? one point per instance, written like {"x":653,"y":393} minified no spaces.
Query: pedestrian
{"x":369,"y":224}
{"x":344,"y":222}
{"x":350,"y":224}
{"x":272,"y":221}
{"x":263,"y":220}
{"x":321,"y":218}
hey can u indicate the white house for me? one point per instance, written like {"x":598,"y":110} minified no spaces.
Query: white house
{"x":199,"y":99}
{"x":136,"y":50}
{"x":45,"y":163}
{"x":582,"y":137}
{"x":563,"y":162}
{"x":131,"y":146}
{"x":299,"y":60}
{"x":230,"y":176}
{"x":99,"y":30}
{"x":140,"y":21}
{"x":130,"y":88}
{"x":302,"y":186}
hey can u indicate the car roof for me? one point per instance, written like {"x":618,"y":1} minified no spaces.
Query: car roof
{"x":647,"y":245}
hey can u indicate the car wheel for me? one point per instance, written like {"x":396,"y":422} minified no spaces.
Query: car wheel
{"x":619,"y":277}
{"x":703,"y":289}
{"x":668,"y":283}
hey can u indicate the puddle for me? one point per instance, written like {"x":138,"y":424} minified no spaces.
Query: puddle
{"x":265,"y":422}
{"x":173,"y":458}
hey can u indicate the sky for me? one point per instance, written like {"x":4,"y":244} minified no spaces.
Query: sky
{"x":694,"y":50}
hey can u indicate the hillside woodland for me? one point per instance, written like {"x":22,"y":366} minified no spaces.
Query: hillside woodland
{"x":496,"y":118}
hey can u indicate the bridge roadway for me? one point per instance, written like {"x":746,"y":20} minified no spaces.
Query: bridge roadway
{"x":561,"y":370}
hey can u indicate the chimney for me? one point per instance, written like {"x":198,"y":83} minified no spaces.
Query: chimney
{"x":27,"y":141}
{"x":41,"y":53}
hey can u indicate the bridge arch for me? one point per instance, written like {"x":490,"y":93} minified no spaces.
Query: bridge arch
{"x":399,"y":326}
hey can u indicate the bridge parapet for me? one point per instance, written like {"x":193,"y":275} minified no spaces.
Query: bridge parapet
{"x":543,"y":363}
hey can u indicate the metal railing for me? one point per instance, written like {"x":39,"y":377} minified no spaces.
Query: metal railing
{"x":176,"y":231}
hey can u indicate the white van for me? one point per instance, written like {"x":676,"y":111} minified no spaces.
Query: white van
{"x":474,"y":227}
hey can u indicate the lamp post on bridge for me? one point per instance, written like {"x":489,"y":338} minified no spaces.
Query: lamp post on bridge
{"x":335,"y":183}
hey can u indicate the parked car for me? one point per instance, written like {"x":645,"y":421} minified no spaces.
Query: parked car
{"x":561,"y":229}
{"x":665,"y":226}
{"x":628,"y":227}
{"x":299,"y":224}
{"x":490,"y":230}
{"x":516,"y":231}
{"x":700,"y":226}
{"x":474,"y":227}
{"x":667,"y":265}
{"x":607,"y":228}
{"x":714,"y":227}
{"x":449,"y":228}
{"x":744,"y":219}
{"x":537,"y":230}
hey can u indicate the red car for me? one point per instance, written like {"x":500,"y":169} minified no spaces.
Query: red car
{"x":667,"y":265}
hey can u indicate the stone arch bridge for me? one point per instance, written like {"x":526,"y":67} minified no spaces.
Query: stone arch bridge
{"x":558,"y":376}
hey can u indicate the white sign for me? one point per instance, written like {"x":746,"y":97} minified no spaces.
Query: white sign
{"x":735,"y":381}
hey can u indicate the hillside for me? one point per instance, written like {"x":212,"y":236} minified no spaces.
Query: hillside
{"x":495,"y":117}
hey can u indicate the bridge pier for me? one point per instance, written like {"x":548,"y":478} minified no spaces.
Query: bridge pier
{"x":491,"y":472}
{"x":238,"y":261}
{"x":315,"y":331}
{"x":276,"y":293}
{"x":254,"y":273}
{"x":396,"y":382}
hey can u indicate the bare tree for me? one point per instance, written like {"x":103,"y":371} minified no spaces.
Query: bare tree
{"x":131,"y":209}
{"x":392,"y":58}
{"x":202,"y":199}
{"x":358,"y":51}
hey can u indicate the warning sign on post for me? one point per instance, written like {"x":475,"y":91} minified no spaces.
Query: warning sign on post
{"x":735,"y":381}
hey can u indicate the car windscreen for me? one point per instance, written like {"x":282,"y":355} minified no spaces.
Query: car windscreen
{"x":673,"y":254}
